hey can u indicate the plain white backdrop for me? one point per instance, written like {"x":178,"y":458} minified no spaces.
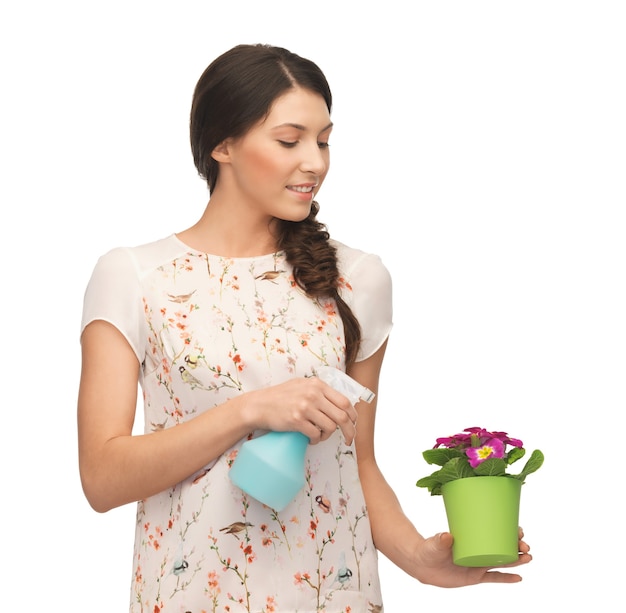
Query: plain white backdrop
{"x":479,"y":149}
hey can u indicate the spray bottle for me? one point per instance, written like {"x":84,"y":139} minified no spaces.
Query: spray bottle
{"x":270,"y":467}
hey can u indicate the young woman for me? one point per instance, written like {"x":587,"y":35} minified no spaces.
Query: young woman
{"x":224,"y":326}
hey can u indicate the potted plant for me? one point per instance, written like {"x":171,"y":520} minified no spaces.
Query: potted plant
{"x":481,"y":498}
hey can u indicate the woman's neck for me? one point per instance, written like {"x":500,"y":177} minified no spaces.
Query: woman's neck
{"x":220,"y":232}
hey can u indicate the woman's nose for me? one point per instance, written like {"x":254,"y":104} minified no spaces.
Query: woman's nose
{"x":315,"y":160}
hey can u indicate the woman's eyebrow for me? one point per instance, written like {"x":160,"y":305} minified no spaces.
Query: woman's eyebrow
{"x":300,"y":127}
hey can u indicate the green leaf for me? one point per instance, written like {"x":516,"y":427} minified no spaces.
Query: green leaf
{"x":436,"y":491}
{"x":534,"y":463}
{"x":429,"y":481}
{"x":493,"y":467}
{"x":432,"y":483}
{"x":456,"y":468}
{"x":441,"y":455}
{"x":515,"y":454}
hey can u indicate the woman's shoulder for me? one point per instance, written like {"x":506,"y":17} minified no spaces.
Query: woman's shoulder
{"x":366,"y":285}
{"x":143,"y":257}
{"x":351,"y":259}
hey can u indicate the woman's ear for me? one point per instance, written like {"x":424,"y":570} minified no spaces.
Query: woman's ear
{"x":221,"y":153}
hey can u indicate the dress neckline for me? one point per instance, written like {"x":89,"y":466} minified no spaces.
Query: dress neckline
{"x":261,"y":256}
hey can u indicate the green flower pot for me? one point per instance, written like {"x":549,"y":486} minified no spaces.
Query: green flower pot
{"x":483,"y":518}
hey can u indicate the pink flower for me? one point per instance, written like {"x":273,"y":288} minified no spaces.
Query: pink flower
{"x":463,"y":455}
{"x":493,"y":448}
{"x":507,"y":440}
{"x":476,"y":437}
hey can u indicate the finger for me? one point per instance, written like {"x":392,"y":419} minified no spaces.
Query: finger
{"x":523,"y":558}
{"x":316,"y":434}
{"x":347,"y":424}
{"x":344,"y":417}
{"x":524,"y":547}
{"x":323,"y":427}
{"x":334,"y":411}
{"x":320,"y":428}
{"x":494,"y":576}
{"x":330,"y":417}
{"x":349,"y":432}
{"x":338,"y":404}
{"x":445,"y":540}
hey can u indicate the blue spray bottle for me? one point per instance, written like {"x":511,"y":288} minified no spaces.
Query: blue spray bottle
{"x":270,"y":467}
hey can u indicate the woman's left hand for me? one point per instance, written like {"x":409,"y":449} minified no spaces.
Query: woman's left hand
{"x":436,"y":567}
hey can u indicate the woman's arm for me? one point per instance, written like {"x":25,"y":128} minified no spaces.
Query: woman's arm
{"x":427,"y":559}
{"x":117,"y":467}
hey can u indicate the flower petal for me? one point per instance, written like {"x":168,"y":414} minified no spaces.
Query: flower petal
{"x":493,"y":448}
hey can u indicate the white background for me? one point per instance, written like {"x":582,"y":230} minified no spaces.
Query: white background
{"x":479,"y":148}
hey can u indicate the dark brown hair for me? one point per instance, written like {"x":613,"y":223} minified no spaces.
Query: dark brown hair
{"x":234,"y":93}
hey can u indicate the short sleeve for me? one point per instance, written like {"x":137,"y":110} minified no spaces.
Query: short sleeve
{"x":113,"y":295}
{"x":368,"y":292}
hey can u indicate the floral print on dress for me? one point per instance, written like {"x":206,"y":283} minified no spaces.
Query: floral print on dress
{"x":215,"y":328}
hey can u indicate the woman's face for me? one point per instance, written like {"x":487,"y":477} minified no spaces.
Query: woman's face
{"x":279,"y":165}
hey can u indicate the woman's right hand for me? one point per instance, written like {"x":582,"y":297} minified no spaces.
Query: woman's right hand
{"x":307,"y":405}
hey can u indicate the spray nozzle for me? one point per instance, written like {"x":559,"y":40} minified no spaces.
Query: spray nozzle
{"x":345,"y":384}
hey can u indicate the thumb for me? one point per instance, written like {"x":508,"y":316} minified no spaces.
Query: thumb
{"x":443,"y":540}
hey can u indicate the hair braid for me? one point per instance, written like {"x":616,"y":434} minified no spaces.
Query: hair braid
{"x":314,"y":261}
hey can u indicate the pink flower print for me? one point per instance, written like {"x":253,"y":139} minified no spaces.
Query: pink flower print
{"x":344,"y":283}
{"x":213,"y":582}
{"x":230,"y":458}
{"x":154,"y":538}
{"x":267,"y":537}
{"x":300,"y":578}
{"x":247,"y":550}
{"x":238,"y":363}
{"x":330,"y":309}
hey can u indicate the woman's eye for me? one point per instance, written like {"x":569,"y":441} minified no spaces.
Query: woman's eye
{"x":323,"y":145}
{"x":286,"y":143}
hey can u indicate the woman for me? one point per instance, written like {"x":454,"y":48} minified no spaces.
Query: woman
{"x":224,"y":326}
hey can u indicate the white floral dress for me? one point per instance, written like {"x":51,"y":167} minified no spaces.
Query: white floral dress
{"x":206,"y":328}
